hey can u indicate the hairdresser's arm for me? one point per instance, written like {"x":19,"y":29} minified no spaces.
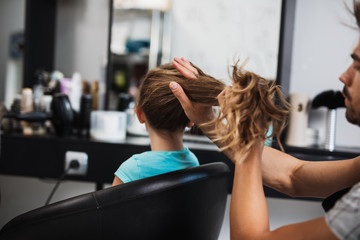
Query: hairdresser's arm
{"x":249,"y":217}
{"x":280,"y":170}
{"x":307,"y":178}
{"x":299,"y":178}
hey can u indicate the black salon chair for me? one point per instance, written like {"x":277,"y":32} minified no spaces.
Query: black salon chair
{"x":185,"y":204}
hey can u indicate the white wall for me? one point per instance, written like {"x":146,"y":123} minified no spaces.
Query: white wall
{"x":321,"y":52}
{"x":82,"y":37}
{"x":212,"y":34}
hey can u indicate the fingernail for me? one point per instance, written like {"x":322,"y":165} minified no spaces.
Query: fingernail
{"x":173,"y":85}
{"x":176,"y":58}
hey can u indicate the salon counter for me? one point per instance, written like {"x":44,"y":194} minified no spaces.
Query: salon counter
{"x":43,"y":157}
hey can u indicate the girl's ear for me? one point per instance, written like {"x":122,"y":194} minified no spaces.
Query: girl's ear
{"x":140,"y":115}
{"x":190,"y":124}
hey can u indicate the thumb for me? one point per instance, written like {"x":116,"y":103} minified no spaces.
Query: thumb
{"x":180,"y":94}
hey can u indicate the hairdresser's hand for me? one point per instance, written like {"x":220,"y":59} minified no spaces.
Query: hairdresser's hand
{"x":223,"y":97}
{"x":196,"y":112}
{"x":185,"y":67}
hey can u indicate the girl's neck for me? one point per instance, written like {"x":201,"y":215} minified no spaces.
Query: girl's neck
{"x":165,"y":140}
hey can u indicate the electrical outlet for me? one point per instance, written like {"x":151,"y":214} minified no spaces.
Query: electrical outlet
{"x":82,"y":159}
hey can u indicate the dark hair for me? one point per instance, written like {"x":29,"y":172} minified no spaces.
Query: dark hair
{"x":357,"y":12}
{"x":162,"y":110}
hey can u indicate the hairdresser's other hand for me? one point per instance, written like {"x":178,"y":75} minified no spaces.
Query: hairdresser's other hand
{"x":185,"y":67}
{"x":196,"y":112}
{"x":222,"y":98}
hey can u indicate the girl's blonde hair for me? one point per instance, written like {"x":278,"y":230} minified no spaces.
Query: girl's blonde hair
{"x":249,"y":109}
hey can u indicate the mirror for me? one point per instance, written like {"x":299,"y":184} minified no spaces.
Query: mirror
{"x":211,"y":34}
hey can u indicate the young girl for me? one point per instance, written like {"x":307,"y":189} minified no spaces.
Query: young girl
{"x":165,"y":122}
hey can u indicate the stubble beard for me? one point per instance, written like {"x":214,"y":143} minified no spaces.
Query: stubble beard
{"x":352,"y":116}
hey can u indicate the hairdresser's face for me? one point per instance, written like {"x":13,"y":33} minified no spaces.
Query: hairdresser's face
{"x":351,"y":91}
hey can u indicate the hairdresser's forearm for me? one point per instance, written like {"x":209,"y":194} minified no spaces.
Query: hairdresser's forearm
{"x":307,"y":178}
{"x":248,"y":209}
{"x":320,"y":179}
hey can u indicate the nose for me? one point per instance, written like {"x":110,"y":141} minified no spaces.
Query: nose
{"x":345,"y":77}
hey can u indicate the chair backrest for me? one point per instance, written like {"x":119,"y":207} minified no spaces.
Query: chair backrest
{"x":184,"y":204}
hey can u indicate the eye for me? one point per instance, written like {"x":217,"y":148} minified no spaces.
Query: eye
{"x":357,"y":67}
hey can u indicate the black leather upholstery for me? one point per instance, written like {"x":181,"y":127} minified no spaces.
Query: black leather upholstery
{"x":185,"y":204}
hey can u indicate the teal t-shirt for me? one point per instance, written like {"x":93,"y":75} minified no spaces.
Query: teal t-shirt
{"x":153,"y":163}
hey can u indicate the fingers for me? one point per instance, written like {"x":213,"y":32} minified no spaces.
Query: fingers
{"x":180,"y":95}
{"x":222,"y":94}
{"x":221,"y":97}
{"x":185,"y":63}
{"x":185,"y":67}
{"x":185,"y":60}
